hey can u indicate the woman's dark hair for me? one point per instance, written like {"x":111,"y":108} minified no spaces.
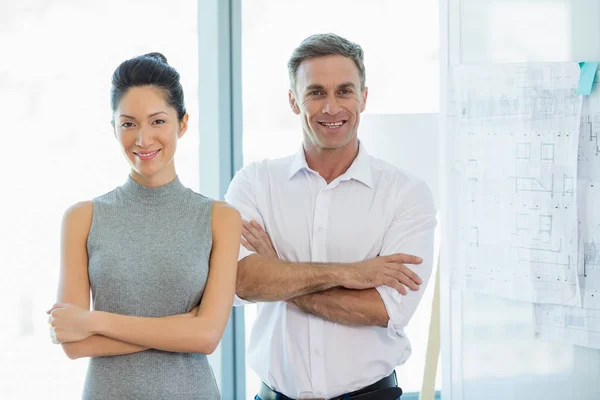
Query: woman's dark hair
{"x":149,"y":69}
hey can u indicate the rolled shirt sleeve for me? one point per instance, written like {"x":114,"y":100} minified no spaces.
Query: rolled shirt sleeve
{"x":411,"y":232}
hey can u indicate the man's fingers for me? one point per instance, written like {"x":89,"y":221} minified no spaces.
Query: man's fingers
{"x":257,"y":236}
{"x":248,"y":245}
{"x":248,"y":229}
{"x":393,"y":283}
{"x":249,"y":235}
{"x":409,"y":273}
{"x":404,"y":258}
{"x":264,"y":236}
{"x":410,"y":283}
{"x":252,"y":241}
{"x":259,"y":232}
{"x":256,"y":226}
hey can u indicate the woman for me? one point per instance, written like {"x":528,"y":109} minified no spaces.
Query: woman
{"x":149,"y":250}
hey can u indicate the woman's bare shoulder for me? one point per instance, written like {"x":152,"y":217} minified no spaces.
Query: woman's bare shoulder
{"x":79,"y":216}
{"x":225,"y":216}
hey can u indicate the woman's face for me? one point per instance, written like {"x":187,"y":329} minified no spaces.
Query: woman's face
{"x":148,"y":129}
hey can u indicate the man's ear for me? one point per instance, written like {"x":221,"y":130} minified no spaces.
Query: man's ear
{"x":365,"y":94}
{"x":293,"y":102}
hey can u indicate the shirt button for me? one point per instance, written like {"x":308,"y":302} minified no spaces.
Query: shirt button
{"x":320,"y":229}
{"x":317,"y":352}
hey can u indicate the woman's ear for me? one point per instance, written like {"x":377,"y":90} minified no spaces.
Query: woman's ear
{"x":183,"y":125}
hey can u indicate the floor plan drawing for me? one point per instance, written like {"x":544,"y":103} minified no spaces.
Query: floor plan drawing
{"x":568,"y":324}
{"x":526,"y":182}
{"x":588,"y":187}
{"x":581,"y":325}
{"x":515,"y":152}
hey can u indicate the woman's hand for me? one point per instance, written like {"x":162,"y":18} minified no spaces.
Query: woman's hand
{"x":69,"y":323}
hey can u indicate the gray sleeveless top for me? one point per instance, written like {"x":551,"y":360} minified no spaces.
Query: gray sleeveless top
{"x":148,"y":253}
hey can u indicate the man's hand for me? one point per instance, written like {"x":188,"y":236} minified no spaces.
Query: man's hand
{"x":384,"y":270}
{"x":254,"y":238}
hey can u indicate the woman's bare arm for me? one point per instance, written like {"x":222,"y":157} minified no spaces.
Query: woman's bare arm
{"x":74,"y":286}
{"x":202,"y":333}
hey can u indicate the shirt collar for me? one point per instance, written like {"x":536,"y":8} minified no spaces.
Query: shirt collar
{"x":299,"y":163}
{"x":359,"y":170}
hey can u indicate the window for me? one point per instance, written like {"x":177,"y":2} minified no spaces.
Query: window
{"x":58,"y":148}
{"x":401,"y":47}
{"x":400,"y":42}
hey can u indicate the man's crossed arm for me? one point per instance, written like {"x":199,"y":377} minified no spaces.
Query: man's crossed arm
{"x":342,"y":293}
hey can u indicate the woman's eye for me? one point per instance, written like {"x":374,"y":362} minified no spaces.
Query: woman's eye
{"x":159,"y":121}
{"x":126,"y":125}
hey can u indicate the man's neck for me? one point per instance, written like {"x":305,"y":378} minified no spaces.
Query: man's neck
{"x":330,"y":163}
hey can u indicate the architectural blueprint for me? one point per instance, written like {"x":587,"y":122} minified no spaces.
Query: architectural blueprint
{"x":589,"y":200}
{"x":581,"y":326}
{"x":515,"y":132}
{"x":572,"y":325}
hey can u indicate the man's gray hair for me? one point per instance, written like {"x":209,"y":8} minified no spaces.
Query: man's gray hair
{"x":326,"y":44}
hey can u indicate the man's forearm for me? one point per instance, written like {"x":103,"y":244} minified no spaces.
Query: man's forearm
{"x":98,"y":346}
{"x":345,"y":306}
{"x":262,"y":278}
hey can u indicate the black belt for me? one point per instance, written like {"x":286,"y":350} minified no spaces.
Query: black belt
{"x":390,"y":381}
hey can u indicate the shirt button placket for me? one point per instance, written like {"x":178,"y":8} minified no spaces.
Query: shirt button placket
{"x":317,"y":358}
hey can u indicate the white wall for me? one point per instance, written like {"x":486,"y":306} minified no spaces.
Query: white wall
{"x":408,"y":141}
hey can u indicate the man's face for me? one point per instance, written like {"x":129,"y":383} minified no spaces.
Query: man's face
{"x":329,"y":99}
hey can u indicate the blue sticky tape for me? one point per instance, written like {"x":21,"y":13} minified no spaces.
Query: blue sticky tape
{"x":587,"y":74}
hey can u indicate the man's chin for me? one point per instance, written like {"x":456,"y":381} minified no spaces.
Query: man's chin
{"x":336,"y":143}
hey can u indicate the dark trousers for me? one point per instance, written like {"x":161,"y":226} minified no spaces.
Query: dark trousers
{"x":379,"y":395}
{"x":385,"y":389}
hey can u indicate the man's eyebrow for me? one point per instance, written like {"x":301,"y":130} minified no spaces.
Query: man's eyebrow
{"x":345,"y":85}
{"x":315,"y":86}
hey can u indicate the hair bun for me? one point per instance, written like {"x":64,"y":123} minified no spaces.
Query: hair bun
{"x":157,"y":56}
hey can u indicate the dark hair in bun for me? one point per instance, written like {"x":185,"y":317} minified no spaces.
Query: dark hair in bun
{"x":149,"y":69}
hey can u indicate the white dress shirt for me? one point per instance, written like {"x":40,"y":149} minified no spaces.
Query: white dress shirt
{"x":372,"y":209}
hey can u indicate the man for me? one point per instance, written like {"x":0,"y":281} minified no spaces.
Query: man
{"x":331,"y":229}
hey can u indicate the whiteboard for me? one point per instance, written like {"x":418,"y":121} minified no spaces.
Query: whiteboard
{"x":488,"y":348}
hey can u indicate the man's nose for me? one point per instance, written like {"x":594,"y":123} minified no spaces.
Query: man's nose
{"x":330,"y":105}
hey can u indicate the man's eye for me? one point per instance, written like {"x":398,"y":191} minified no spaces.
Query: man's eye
{"x":315,"y":93}
{"x":345,"y":91}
